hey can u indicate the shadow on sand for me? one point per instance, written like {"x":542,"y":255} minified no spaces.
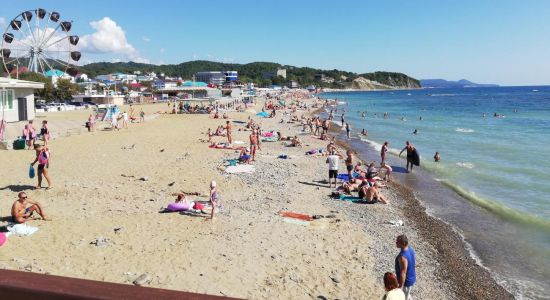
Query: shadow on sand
{"x":18,"y":187}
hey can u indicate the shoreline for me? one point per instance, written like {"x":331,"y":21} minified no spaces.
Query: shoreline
{"x":456,"y":264}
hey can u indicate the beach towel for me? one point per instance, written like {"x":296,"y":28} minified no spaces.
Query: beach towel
{"x":22,"y":229}
{"x":240,"y":169}
{"x":238,"y":142}
{"x":269,"y":139}
{"x":343,"y":177}
{"x":294,"y":215}
{"x":263,"y":114}
{"x":349,"y":198}
{"x":226,"y":148}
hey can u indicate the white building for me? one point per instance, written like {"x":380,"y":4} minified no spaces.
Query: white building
{"x":17,"y":99}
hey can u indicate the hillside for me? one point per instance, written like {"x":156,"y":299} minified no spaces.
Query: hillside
{"x":253,"y":72}
{"x":442,"y":83}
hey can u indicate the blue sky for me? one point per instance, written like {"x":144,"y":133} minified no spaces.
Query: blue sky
{"x":504,"y":42}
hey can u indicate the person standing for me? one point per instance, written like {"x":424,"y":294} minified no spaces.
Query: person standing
{"x":228,"y":129}
{"x":43,"y":159}
{"x":332,"y":161}
{"x":412,"y":155}
{"x":45,"y":132}
{"x":141,"y":116}
{"x":391,"y":285}
{"x":383,"y":152}
{"x":125,"y":120}
{"x":349,"y":164}
{"x":343,"y":119}
{"x":405,"y":265}
{"x":253,"y":144}
{"x":348,"y":130}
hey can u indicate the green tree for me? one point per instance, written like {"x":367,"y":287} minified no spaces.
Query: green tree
{"x":65,"y":90}
{"x":47,"y":93}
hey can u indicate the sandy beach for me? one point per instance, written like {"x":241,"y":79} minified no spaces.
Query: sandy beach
{"x":110,"y":186}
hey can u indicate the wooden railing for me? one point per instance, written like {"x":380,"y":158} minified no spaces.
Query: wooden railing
{"x":16,"y":285}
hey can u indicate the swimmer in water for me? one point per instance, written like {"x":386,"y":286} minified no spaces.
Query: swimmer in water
{"x":420,"y":118}
{"x":415,"y":131}
{"x":437,"y":157}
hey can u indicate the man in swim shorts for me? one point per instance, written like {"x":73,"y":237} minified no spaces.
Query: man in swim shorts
{"x":23,"y":208}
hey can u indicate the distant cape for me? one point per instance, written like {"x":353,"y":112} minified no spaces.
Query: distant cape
{"x":442,"y":83}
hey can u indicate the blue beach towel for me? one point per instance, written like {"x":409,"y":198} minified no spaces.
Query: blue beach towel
{"x":263,"y":114}
{"x":343,"y":177}
{"x":350,"y":198}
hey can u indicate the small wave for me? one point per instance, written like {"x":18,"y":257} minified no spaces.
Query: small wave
{"x":465,"y":130}
{"x":442,"y":95}
{"x":500,"y":209}
{"x":466,"y":165}
{"x":341,"y":102}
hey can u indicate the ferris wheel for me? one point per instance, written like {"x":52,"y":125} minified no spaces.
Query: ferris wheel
{"x":40,"y":42}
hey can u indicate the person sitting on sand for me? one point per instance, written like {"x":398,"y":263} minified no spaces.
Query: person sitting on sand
{"x":209,"y":135}
{"x":358,"y":166}
{"x":393,"y":292}
{"x":216,"y":115}
{"x":23,"y":209}
{"x":295,"y":142}
{"x":352,"y":186}
{"x":244,"y":156}
{"x":371,"y":195}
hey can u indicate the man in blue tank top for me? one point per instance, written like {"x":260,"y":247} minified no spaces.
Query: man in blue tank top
{"x":404,"y":265}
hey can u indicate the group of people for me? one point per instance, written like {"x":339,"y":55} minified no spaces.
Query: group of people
{"x":31,"y":137}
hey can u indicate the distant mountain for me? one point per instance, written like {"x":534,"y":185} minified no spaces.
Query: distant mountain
{"x":442,"y":83}
{"x":256,"y":71}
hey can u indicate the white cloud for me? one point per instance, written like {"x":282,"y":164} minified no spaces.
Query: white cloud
{"x":109,"y":38}
{"x":146,"y":39}
{"x":161,"y":50}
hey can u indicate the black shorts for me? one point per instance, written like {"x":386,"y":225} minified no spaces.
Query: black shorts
{"x":349,"y":168}
{"x":332,"y":173}
{"x":41,"y":167}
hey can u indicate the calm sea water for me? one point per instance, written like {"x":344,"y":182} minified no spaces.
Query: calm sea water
{"x":500,"y":165}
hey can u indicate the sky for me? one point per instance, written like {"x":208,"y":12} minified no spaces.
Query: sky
{"x":503,"y":42}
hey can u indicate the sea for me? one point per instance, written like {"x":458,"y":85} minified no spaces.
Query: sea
{"x":493,"y":181}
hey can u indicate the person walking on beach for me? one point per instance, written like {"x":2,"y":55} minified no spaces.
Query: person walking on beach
{"x":343,"y":119}
{"x":23,"y":208}
{"x":332,"y":161}
{"x":393,"y":292}
{"x":348,"y":130}
{"x":43,"y":159}
{"x":228,"y":129}
{"x":405,"y":265}
{"x":383,"y":152}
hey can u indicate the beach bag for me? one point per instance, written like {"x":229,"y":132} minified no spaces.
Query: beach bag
{"x":31,"y":171}
{"x":19,"y":144}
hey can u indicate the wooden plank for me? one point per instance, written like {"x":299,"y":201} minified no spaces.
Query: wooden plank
{"x":25,"y":285}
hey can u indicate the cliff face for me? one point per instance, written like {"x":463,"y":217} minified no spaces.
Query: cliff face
{"x":383,"y":80}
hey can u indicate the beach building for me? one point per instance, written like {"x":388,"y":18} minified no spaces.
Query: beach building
{"x":54,"y":75}
{"x":293,"y":84}
{"x":213,"y":77}
{"x":17,"y":99}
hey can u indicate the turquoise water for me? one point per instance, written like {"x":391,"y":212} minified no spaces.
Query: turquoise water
{"x":498,"y":164}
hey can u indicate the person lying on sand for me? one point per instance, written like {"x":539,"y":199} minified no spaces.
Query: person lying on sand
{"x":23,"y":209}
{"x":244,"y":156}
{"x":282,"y":137}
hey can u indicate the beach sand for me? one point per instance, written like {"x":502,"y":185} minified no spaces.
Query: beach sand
{"x":248,"y":251}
